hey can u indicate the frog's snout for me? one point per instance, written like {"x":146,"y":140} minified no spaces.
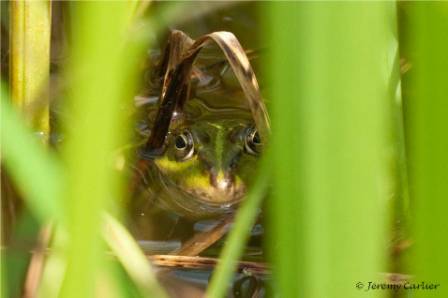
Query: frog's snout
{"x":223,"y":181}
{"x":224,"y":187}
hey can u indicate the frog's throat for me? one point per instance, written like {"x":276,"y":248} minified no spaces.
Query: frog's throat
{"x":187,"y":180}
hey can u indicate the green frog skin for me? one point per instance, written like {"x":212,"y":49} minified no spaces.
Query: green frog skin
{"x":207,"y":167}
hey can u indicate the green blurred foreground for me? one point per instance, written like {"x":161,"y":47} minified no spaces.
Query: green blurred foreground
{"x":358,"y":154}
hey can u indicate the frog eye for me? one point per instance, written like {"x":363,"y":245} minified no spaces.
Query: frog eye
{"x":252,"y":142}
{"x":183,"y":143}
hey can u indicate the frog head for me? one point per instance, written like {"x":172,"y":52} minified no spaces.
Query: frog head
{"x":208,"y":163}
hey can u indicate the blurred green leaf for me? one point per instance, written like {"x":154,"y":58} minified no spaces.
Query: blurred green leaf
{"x":131,"y":257}
{"x":30,"y":166}
{"x":329,"y":70}
{"x":15,"y":261}
{"x":98,"y":70}
{"x":424,"y":36}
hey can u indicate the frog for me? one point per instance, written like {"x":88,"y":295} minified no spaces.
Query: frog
{"x":204,"y":143}
{"x":208,"y":163}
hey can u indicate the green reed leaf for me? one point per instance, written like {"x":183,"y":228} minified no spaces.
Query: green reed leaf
{"x":423,"y":30}
{"x":329,"y":68}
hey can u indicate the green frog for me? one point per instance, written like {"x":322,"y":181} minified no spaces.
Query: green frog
{"x":208,"y":163}
{"x":202,"y":153}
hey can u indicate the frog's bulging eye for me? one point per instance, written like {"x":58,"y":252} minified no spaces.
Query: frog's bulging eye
{"x":184,"y":145}
{"x":181,"y":142}
{"x":252,"y":142}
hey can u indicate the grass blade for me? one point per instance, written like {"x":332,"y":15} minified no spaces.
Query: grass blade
{"x":131,"y":257}
{"x":96,"y":71}
{"x":30,"y":166}
{"x":425,"y":43}
{"x":329,"y":71}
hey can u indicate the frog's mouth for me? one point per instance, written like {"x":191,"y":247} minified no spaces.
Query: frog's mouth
{"x":221,"y":195}
{"x":217,"y":195}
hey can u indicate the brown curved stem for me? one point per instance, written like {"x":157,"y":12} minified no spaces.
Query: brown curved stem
{"x":178,"y":62}
{"x":242,"y":69}
{"x":201,"y":241}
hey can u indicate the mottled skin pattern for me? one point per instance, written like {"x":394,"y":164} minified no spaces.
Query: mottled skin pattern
{"x":211,"y":174}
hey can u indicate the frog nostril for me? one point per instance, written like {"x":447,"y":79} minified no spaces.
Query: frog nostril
{"x":233,"y":162}
{"x":213,"y":178}
{"x":222,"y":181}
{"x":205,"y":161}
{"x":222,"y":184}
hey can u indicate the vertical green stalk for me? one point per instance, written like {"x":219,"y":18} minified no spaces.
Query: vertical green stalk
{"x":399,"y":207}
{"x":330,"y":68}
{"x":424,"y":33}
{"x":96,"y":72}
{"x":30,"y":27}
{"x":30,"y":30}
